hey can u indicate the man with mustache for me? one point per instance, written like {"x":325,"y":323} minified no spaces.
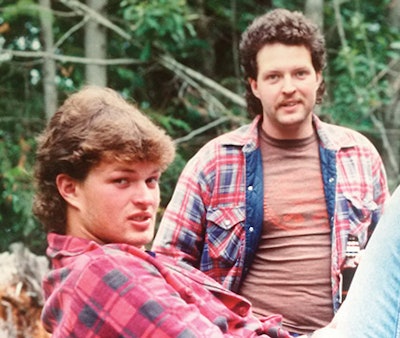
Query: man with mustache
{"x":270,"y":209}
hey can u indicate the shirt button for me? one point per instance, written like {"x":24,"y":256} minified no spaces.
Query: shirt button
{"x":227,"y":222}
{"x":251,"y":229}
{"x":250,"y":188}
{"x":331,"y":179}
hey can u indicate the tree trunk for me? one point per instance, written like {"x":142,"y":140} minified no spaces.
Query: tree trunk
{"x":49,"y":65}
{"x":21,"y":298}
{"x":314,"y":10}
{"x":205,"y":31}
{"x":235,"y":44}
{"x":96,"y":45}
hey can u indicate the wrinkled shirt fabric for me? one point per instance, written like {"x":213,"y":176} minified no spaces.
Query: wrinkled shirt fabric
{"x":117,"y":290}
{"x":215,"y":217}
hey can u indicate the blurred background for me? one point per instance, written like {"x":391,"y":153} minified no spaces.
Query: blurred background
{"x":178,"y":61}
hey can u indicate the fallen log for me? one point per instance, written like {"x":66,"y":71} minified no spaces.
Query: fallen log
{"x":21,"y":297}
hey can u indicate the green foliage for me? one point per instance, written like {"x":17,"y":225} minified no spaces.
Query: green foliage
{"x":200,"y":35}
{"x":163,"y":24}
{"x":356,"y":88}
{"x":169,"y":178}
{"x":16,"y":189}
{"x":15,"y":10}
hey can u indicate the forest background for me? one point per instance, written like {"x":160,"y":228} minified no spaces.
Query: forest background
{"x":178,"y":61}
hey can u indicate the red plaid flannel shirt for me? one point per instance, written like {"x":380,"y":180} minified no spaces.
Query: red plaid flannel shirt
{"x":205,"y":221}
{"x":117,"y":290}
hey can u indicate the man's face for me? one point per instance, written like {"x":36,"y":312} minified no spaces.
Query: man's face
{"x":117,"y":202}
{"x":286,"y":85}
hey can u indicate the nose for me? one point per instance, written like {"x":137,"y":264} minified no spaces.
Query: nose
{"x":145,"y":196}
{"x":288,"y":86}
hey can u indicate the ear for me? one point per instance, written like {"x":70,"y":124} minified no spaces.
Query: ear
{"x":68,"y":189}
{"x":254,"y":87}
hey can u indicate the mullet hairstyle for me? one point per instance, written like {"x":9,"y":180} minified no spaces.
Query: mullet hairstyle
{"x":93,"y":124}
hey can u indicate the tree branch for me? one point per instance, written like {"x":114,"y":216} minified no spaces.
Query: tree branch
{"x":164,"y":60}
{"x":386,"y":144}
{"x":7,"y":53}
{"x":80,"y":7}
{"x":71,"y":31}
{"x":173,"y":65}
{"x":202,"y":129}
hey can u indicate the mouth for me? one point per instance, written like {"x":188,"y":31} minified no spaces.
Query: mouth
{"x":138,"y":218}
{"x":289,"y":104}
{"x":141,"y":219}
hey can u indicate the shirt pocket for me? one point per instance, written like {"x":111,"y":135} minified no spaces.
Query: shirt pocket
{"x":360,"y":216}
{"x":225,"y":233}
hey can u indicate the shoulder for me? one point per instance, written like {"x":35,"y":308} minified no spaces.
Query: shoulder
{"x":240,"y":136}
{"x":107,"y":263}
{"x":230,"y":143}
{"x":339,"y":137}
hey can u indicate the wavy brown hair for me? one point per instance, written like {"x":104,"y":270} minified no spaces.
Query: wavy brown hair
{"x":282,"y":26}
{"x":93,"y":124}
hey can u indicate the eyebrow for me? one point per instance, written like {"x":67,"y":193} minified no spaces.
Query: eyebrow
{"x":134,"y":171}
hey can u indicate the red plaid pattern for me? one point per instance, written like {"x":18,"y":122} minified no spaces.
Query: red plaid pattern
{"x":117,"y":290}
{"x":205,"y":221}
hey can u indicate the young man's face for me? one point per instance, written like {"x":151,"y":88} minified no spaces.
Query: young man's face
{"x":286,"y":85}
{"x":117,"y":202}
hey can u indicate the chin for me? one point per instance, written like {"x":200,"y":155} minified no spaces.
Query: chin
{"x":144,"y":241}
{"x":293,"y":121}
